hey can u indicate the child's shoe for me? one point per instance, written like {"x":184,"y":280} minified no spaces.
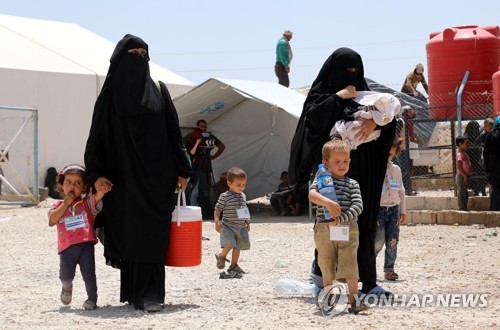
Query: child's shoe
{"x":236,"y":269}
{"x":357,"y":307}
{"x":221,"y":261}
{"x":66,"y":296}
{"x":89,"y":305}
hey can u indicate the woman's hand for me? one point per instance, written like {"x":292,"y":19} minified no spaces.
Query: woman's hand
{"x":347,"y":93}
{"x":367,"y":126}
{"x":183,"y":182}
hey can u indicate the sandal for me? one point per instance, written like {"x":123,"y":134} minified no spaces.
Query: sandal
{"x":66,"y":296}
{"x":221,"y":261}
{"x":391,"y":276}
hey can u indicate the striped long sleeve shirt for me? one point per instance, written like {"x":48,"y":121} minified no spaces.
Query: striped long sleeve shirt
{"x":349,"y":199}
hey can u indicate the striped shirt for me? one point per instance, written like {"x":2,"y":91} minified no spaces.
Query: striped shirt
{"x":228,"y":203}
{"x":349,"y":199}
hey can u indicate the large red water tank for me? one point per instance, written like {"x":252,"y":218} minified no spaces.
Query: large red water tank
{"x":450,"y":54}
{"x":496,"y":92}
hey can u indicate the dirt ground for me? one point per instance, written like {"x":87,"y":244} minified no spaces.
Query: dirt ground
{"x":431,"y":260}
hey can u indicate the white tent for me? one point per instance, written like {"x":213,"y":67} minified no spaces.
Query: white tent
{"x":60,"y":68}
{"x":255,"y":120}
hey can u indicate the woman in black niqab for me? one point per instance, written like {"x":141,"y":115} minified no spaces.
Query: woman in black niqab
{"x":136,"y":143}
{"x":326,"y":103}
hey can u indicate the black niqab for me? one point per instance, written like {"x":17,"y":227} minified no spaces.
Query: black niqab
{"x":136,"y":143}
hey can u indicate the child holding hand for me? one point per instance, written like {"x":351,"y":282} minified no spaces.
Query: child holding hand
{"x":74,"y":217}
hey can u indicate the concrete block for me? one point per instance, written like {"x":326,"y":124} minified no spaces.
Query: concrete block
{"x":440,"y":203}
{"x":415,"y":203}
{"x":479,"y":203}
{"x":491,"y":219}
{"x":449,"y":217}
{"x":423,"y":217}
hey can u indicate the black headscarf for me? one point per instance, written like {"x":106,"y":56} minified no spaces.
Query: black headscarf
{"x":135,"y":142}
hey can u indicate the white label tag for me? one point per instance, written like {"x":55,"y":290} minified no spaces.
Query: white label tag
{"x":75,"y":222}
{"x":394,"y":184}
{"x":243,"y":213}
{"x":339,"y":233}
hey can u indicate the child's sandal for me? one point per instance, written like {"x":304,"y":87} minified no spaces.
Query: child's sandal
{"x":391,"y":276}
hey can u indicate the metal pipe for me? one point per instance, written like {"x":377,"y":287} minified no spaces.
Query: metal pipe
{"x":459,"y":102}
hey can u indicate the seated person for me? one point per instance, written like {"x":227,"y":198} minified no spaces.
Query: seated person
{"x":285,"y":204}
{"x":381,"y":107}
{"x":221,"y":185}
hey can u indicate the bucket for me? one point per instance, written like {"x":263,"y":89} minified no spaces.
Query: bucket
{"x":185,"y":236}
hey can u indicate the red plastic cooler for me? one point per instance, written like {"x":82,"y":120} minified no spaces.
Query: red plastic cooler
{"x":185,"y":236}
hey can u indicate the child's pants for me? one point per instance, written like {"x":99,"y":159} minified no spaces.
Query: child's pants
{"x":79,"y":254}
{"x":388,"y":234}
{"x":462,"y":193}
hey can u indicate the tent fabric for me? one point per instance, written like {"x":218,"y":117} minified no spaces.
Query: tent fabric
{"x":41,"y":45}
{"x":59,"y":68}
{"x":255,"y":120}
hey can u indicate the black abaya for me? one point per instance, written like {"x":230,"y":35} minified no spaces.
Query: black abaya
{"x":136,"y":143}
{"x":322,"y":109}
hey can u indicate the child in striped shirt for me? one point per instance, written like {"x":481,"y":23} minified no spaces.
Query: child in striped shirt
{"x":235,"y":223}
{"x":337,"y":256}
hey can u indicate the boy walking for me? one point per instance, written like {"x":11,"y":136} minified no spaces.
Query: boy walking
{"x":464,"y":171}
{"x":235,"y":223}
{"x":337,"y":252}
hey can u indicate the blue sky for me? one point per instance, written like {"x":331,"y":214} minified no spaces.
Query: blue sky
{"x":236,"y":39}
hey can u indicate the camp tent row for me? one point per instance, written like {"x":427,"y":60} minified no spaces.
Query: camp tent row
{"x":59,"y":68}
{"x":256,"y":122}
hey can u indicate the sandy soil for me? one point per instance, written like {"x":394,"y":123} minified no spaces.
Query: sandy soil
{"x":431,"y":260}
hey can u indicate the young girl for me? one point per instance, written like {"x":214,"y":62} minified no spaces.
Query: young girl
{"x":74,"y":217}
{"x":392,"y":213}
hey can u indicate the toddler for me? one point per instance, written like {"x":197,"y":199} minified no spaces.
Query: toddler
{"x":235,"y":223}
{"x":74,"y":217}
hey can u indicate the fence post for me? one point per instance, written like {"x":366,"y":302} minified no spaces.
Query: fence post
{"x":459,"y":102}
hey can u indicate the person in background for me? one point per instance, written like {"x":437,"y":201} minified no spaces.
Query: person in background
{"x":477,"y":182}
{"x":286,"y":203}
{"x":392,"y":213}
{"x":221,"y":185}
{"x":464,"y":172}
{"x":491,"y":155}
{"x":135,"y":142}
{"x":283,"y":58}
{"x":200,"y":146}
{"x":412,"y":80}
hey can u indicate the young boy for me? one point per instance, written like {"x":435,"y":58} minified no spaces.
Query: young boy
{"x":464,"y":171}
{"x":337,"y":256}
{"x":392,"y":213}
{"x":235,"y":223}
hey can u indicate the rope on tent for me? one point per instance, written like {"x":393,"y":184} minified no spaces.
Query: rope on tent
{"x":274,"y":108}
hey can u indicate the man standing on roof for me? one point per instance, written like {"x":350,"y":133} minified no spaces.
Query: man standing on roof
{"x":283,"y":58}
{"x":412,"y":80}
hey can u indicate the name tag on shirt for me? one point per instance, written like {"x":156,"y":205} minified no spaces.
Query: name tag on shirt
{"x":394,"y":184}
{"x":243,"y":213}
{"x":75,"y":222}
{"x":339,"y":233}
